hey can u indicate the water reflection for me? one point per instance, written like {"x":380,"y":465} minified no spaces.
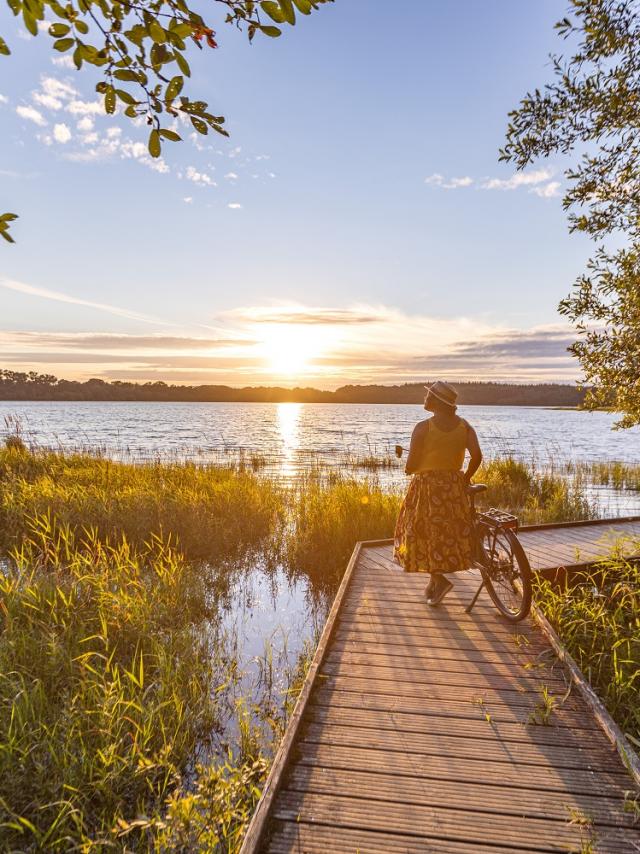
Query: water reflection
{"x":288,"y":415}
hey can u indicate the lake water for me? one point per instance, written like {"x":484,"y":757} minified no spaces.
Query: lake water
{"x":290,"y":432}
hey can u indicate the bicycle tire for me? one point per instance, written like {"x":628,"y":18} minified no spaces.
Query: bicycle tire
{"x":499,"y":580}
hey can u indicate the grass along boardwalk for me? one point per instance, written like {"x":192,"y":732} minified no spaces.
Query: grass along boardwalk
{"x":429,"y":730}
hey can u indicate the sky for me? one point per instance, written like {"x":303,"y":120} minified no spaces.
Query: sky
{"x":356,"y":226}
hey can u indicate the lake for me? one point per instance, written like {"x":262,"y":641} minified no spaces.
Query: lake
{"x":289,"y":432}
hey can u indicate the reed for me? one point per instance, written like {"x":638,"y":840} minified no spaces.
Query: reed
{"x":212,"y":511}
{"x":107,"y":691}
{"x":598,"y":619}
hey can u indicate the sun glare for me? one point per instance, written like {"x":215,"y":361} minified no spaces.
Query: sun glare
{"x":289,"y":350}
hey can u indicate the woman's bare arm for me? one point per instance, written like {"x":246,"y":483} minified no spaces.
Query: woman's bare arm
{"x":473,"y":446}
{"x":415,"y":448}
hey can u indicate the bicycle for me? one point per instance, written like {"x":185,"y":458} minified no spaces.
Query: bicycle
{"x":503,"y":564}
{"x":498,"y":554}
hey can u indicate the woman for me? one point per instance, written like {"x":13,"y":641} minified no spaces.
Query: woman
{"x":433,"y":533}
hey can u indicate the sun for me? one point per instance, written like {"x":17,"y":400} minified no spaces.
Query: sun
{"x":289,"y":349}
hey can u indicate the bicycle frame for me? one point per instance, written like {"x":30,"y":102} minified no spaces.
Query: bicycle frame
{"x":486,"y":527}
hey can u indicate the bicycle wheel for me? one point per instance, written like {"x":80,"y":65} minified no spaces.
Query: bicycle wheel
{"x":506,"y":572}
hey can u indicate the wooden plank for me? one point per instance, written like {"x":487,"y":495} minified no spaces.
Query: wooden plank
{"x":475,"y":709}
{"x":435,"y":823}
{"x":532,"y":803}
{"x":427,"y":744}
{"x":434,"y":676}
{"x":298,"y":837}
{"x":530,"y":669}
{"x":480,"y":728}
{"x":461,"y":642}
{"x":526,"y":699}
{"x":256,"y":830}
{"x":519,"y":656}
{"x":455,"y":769}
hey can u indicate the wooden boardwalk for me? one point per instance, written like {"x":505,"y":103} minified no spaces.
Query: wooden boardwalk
{"x":428,"y":730}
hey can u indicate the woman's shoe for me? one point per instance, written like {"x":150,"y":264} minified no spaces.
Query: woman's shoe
{"x":437,"y":589}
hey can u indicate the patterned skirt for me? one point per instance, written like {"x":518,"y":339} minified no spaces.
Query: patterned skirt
{"x":433,"y":532}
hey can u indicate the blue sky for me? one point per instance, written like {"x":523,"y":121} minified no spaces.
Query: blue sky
{"x":356,"y":226}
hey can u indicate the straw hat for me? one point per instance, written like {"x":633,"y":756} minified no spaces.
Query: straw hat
{"x":444,"y":392}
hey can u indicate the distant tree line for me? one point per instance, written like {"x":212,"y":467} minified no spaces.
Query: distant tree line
{"x":33,"y":386}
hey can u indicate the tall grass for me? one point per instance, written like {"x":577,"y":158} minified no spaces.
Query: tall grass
{"x":212,"y":511}
{"x":598,"y":618}
{"x":535,"y":495}
{"x":106,"y":688}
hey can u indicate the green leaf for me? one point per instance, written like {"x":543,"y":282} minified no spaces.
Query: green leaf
{"x":174,"y":88}
{"x":58,"y":30}
{"x":64,"y":44}
{"x":110,"y":100}
{"x":304,"y":6}
{"x":126,"y":97}
{"x":288,"y":11}
{"x":29,"y":21}
{"x":272,"y":32}
{"x":4,"y":233}
{"x":125,"y":74}
{"x":8,"y":217}
{"x":169,"y":134}
{"x":157,"y":33}
{"x":182,"y":63}
{"x":4,"y":48}
{"x":154,"y":143}
{"x":81,"y":27}
{"x":273,"y":10}
{"x":200,"y":126}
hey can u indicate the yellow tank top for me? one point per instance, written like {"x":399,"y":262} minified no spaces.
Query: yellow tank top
{"x":444,"y":450}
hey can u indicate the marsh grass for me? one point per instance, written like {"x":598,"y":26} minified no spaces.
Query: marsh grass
{"x":106,"y":689}
{"x":212,"y":511}
{"x":598,"y":619}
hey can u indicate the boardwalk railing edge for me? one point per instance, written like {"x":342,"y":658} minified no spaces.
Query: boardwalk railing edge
{"x":629,"y":757}
{"x":257,"y":827}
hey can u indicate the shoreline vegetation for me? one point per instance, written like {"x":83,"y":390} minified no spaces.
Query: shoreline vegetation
{"x":33,"y":386}
{"x":124,"y":722}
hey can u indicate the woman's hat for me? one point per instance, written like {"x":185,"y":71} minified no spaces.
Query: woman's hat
{"x":444,"y":392}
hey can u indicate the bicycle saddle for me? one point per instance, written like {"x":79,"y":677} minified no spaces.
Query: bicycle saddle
{"x":477,"y":487}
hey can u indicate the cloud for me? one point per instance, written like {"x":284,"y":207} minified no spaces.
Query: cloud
{"x":47,"y":101}
{"x":115,"y":341}
{"x":85,"y":124}
{"x":449,"y":184}
{"x":341,"y":345}
{"x":192,"y":174}
{"x":547,"y":191}
{"x":65,"y":61}
{"x":518,"y":179}
{"x":537,"y":180}
{"x":45,"y":293}
{"x":85,"y":108}
{"x":235,"y":206}
{"x":296,"y":314}
{"x":188,"y":200}
{"x":61,"y":133}
{"x":4,"y":99}
{"x":231,"y":176}
{"x":31,"y":115}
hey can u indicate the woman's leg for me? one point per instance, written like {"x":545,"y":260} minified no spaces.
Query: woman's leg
{"x":437,"y":589}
